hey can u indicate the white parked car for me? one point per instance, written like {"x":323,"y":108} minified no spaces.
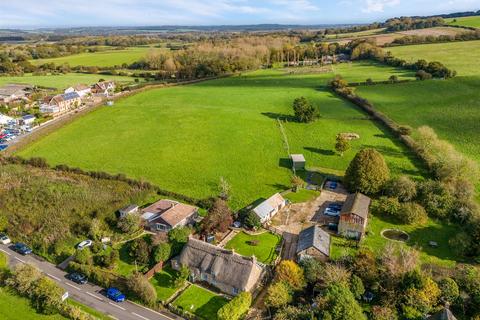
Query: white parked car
{"x":4,"y":239}
{"x":84,"y":244}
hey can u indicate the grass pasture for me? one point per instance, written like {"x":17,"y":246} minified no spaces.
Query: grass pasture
{"x":62,"y":81}
{"x":264,"y":251}
{"x":449,"y":106}
{"x":460,"y":56}
{"x":185,"y":138}
{"x":473,"y":21}
{"x":107,"y":58}
{"x":201,"y":302}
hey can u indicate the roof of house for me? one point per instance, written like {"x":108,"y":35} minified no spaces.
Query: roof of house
{"x":269,"y":205}
{"x":104,"y":84}
{"x":444,"y":314}
{"x":129,"y":208}
{"x":315,"y":237}
{"x":81,"y":87}
{"x":28,"y":116}
{"x":70,"y":96}
{"x":227,"y":266}
{"x":357,"y":204}
{"x":168,"y":211}
{"x":297,"y":157}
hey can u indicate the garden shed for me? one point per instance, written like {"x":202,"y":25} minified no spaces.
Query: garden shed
{"x":298,"y":161}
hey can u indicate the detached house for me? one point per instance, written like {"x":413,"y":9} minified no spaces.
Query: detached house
{"x":61,"y":103}
{"x":354,"y":216}
{"x":105,"y":88}
{"x":270,"y":207}
{"x":165,"y":215}
{"x":224,"y":269}
{"x":313,"y":242}
{"x":81,"y":89}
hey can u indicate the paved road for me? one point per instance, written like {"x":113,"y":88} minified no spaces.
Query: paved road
{"x":88,"y":294}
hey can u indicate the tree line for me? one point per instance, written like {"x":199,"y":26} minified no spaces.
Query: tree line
{"x":416,"y":39}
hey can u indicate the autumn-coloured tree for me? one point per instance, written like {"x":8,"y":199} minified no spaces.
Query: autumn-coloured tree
{"x":278,"y":295}
{"x":290,"y":273}
{"x":219,"y":217}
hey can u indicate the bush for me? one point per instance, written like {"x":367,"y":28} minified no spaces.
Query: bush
{"x":140,"y":251}
{"x":140,"y":287}
{"x":236,"y":308}
{"x":304,"y":111}
{"x":97,"y":275}
{"x":405,"y":130}
{"x":83,"y":256}
{"x":278,"y":295}
{"x":130,"y":223}
{"x":290,"y":273}
{"x":252,"y":220}
{"x":178,"y":237}
{"x":162,"y":252}
{"x":449,"y":289}
{"x":385,"y":205}
{"x":402,"y":188}
{"x":423,"y":75}
{"x":367,"y":173}
{"x":356,"y":287}
{"x":411,"y":212}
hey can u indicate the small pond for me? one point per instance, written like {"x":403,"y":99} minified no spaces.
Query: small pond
{"x":396,"y":235}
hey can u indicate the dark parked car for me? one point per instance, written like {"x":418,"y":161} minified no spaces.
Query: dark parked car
{"x":78,"y":278}
{"x":22,"y":248}
{"x":115,"y":295}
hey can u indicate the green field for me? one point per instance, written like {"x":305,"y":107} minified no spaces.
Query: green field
{"x":108,"y":58}
{"x":185,"y":138}
{"x":62,"y":81}
{"x":14,"y":307}
{"x":450,"y":107}
{"x":264,"y":250}
{"x":460,"y":56}
{"x":302,"y":195}
{"x":473,"y":22}
{"x":201,"y":302}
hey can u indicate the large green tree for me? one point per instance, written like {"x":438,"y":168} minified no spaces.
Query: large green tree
{"x":236,"y":308}
{"x":304,"y":110}
{"x":338,"y":303}
{"x":368,"y":172}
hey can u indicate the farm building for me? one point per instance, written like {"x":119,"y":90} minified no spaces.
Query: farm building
{"x":61,"y":103}
{"x":224,"y":269}
{"x":270,"y":207}
{"x":298,"y":161}
{"x":313,"y":242}
{"x":130,"y":209}
{"x":81,"y":89}
{"x":14,"y":92}
{"x":164,"y":215}
{"x":354,"y":216}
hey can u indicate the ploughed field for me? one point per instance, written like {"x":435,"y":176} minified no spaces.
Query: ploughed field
{"x":107,"y":58}
{"x":185,"y":138}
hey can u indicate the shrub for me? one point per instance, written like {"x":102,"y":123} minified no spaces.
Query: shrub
{"x":356,"y":287}
{"x":236,"y":308}
{"x":304,"y":111}
{"x":290,"y":273}
{"x":97,"y":275}
{"x":130,"y":223}
{"x":338,"y":303}
{"x":367,"y":173}
{"x":435,"y":198}
{"x":423,"y":75}
{"x":219,"y":217}
{"x":405,"y":130}
{"x":178,"y":237}
{"x":402,"y":188}
{"x":385,"y":205}
{"x":140,"y":251}
{"x":83,"y":256}
{"x":278,"y":295}
{"x":449,"y":289}
{"x":162,"y":252}
{"x":140,"y":287}
{"x":181,"y":277}
{"x":411,"y":213}
{"x":252,"y":220}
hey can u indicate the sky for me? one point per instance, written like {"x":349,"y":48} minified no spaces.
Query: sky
{"x":74,"y":13}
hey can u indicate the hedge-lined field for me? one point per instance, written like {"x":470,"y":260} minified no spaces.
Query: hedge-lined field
{"x":460,"y":56}
{"x":108,"y":58}
{"x":473,"y":21}
{"x":185,"y":138}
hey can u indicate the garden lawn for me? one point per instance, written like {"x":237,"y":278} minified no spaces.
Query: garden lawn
{"x":126,"y":264}
{"x":448,"y":106}
{"x":108,"y":58}
{"x":420,"y":236}
{"x":462,"y":56}
{"x":185,"y":138}
{"x":163,"y":282}
{"x":201,"y":302}
{"x":14,"y":307}
{"x":302,"y":195}
{"x":264,"y":251}
{"x":62,"y":81}
{"x":473,"y":21}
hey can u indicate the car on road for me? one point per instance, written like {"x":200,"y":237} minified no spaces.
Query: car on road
{"x":4,"y":239}
{"x":84,"y":244}
{"x":22,"y":248}
{"x":77,"y":277}
{"x":115,"y":295}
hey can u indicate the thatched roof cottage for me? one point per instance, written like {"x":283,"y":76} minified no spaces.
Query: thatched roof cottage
{"x":224,"y":269}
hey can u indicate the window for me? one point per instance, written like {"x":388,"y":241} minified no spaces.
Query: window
{"x":235,"y":291}
{"x":204,"y":277}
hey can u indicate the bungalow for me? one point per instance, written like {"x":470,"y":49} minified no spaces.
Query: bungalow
{"x":354,"y":216}
{"x":164,"y":215}
{"x":270,"y":207}
{"x":81,"y":89}
{"x":105,"y":88}
{"x":61,"y":103}
{"x":224,"y":269}
{"x":14,"y":92}
{"x":313,"y":242}
{"x":130,"y":209}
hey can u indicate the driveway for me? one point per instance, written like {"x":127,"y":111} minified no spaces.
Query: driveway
{"x":88,"y":294}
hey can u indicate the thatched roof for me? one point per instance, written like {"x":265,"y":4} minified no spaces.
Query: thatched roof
{"x":228,"y":267}
{"x":357,"y":204}
{"x":315,"y":237}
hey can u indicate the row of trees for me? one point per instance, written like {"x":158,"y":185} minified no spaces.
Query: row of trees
{"x":409,"y":23}
{"x":416,"y":39}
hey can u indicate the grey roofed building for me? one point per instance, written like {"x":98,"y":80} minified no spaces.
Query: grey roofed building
{"x":270,"y":207}
{"x":354,"y":216}
{"x":444,"y":314}
{"x":298,"y":161}
{"x":224,"y":269}
{"x":313,"y":242}
{"x":132,"y":208}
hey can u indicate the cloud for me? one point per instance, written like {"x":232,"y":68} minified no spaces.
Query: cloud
{"x":379,"y":5}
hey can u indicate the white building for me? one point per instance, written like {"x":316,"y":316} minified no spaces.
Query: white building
{"x":4,"y":120}
{"x":81,"y":89}
{"x":270,"y":207}
{"x":28,"y":119}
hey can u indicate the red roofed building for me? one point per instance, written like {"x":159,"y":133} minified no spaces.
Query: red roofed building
{"x":164,"y":215}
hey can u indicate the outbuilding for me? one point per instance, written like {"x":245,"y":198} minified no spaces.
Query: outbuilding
{"x":313,"y":242}
{"x":270,"y":207}
{"x":298,"y":161}
{"x":130,"y":209}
